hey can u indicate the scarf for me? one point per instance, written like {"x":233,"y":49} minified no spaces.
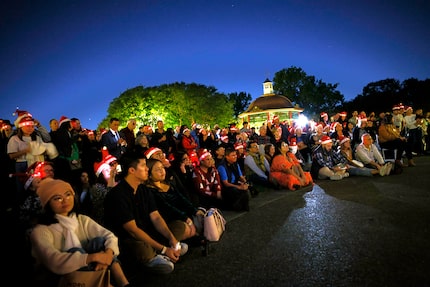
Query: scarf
{"x":259,"y":160}
{"x":68,"y":226}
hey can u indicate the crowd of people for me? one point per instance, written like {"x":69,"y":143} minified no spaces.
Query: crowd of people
{"x":113,"y":198}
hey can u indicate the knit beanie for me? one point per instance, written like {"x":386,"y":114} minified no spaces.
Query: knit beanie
{"x":50,"y":187}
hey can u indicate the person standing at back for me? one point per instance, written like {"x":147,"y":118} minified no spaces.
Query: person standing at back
{"x":112,"y":139}
{"x":159,"y":138}
{"x":127,"y":133}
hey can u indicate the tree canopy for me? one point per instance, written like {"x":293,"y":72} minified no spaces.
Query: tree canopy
{"x":176,"y":104}
{"x":313,"y":95}
{"x":381,"y":95}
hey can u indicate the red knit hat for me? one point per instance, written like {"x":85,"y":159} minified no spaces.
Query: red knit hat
{"x":325,"y":140}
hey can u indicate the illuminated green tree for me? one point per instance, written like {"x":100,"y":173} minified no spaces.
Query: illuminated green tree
{"x":175,"y":104}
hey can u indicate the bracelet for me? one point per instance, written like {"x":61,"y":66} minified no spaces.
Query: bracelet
{"x":163,"y":251}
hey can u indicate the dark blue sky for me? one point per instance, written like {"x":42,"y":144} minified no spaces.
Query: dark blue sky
{"x":73,"y":58}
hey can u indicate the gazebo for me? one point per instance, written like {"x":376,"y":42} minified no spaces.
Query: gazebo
{"x":268,"y":105}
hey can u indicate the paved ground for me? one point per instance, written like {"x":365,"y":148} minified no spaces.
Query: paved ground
{"x":355,"y":232}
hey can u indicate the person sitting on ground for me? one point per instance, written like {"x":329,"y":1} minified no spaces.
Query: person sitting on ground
{"x":65,"y":241}
{"x":257,"y":168}
{"x":327,"y":163}
{"x":207,"y":182}
{"x":172,"y":205}
{"x":235,"y":188}
{"x":241,"y":154}
{"x":269,"y":152}
{"x":206,"y":139}
{"x":84,"y":191}
{"x":182,"y":172}
{"x":358,"y":131}
{"x":368,"y":153}
{"x":355,"y":167}
{"x":218,"y":154}
{"x":315,"y":137}
{"x":142,"y":144}
{"x":390,"y":138}
{"x":31,"y":208}
{"x":302,"y":141}
{"x":132,"y":214}
{"x":286,"y":170}
{"x":106,"y":172}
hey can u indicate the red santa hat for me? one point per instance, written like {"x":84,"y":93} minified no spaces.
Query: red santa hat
{"x":62,"y":120}
{"x":324,"y":114}
{"x":325,"y":140}
{"x":238,"y":146}
{"x":233,"y":128}
{"x":105,"y":163}
{"x":24,"y":119}
{"x":185,"y":130}
{"x":151,"y":151}
{"x":224,"y":139}
{"x":396,"y":107}
{"x":343,"y":139}
{"x":33,"y":171}
{"x":293,"y":142}
{"x":343,"y":114}
{"x":362,"y":119}
{"x":204,"y":154}
{"x":333,"y":125}
{"x":275,"y":117}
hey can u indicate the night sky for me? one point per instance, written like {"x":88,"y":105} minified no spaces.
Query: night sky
{"x":73,"y":58}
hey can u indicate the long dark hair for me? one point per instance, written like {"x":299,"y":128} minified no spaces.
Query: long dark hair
{"x":150,"y":164}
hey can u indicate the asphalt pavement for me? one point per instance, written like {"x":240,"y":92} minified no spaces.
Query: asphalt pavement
{"x":360,"y":231}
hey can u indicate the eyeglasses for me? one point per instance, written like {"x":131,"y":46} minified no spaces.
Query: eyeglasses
{"x":61,"y":198}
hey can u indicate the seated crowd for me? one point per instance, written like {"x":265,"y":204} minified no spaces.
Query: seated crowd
{"x":123,"y":199}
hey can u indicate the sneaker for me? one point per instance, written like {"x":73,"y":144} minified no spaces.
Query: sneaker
{"x":345,"y":174}
{"x":160,"y":264}
{"x":389,"y":168}
{"x":383,"y":170}
{"x":336,"y":177}
{"x":184,"y":248}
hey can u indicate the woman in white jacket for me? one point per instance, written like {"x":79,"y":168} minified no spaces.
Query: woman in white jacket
{"x":65,"y":241}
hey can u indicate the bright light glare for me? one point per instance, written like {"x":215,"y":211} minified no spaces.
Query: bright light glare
{"x":302,"y":121}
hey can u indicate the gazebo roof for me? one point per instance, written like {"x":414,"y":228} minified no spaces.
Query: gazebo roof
{"x":270,"y":102}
